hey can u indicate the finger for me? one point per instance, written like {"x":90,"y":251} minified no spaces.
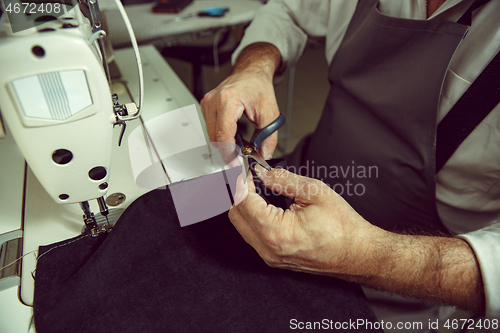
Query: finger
{"x":209,"y":111}
{"x":268,"y":146}
{"x":243,"y":187}
{"x":268,"y":112}
{"x":257,"y":211}
{"x":226,"y":127}
{"x":241,"y":190}
{"x":243,"y":227}
{"x":227,"y":118}
{"x":253,"y":203}
{"x":301,"y":189}
{"x":243,"y":215}
{"x":204,"y":104}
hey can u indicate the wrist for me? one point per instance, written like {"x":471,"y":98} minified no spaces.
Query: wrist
{"x":370,"y":259}
{"x":258,"y":58}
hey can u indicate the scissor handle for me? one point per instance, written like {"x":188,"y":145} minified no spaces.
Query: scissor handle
{"x":261,"y":134}
{"x":214,"y":11}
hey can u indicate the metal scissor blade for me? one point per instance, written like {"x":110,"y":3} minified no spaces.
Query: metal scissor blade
{"x":259,"y":159}
{"x":246,"y":167}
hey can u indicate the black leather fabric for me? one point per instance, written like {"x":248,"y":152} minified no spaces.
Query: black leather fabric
{"x":151,"y":275}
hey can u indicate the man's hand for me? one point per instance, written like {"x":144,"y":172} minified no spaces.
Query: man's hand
{"x":320,"y":233}
{"x":316,"y":234}
{"x":249,"y":89}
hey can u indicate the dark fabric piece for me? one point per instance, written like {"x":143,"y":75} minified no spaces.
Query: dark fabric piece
{"x":151,"y":275}
{"x":470,"y":110}
{"x":380,"y":115}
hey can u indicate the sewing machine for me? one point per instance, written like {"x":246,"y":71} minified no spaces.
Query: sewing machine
{"x":75,"y":166}
{"x":59,"y":82}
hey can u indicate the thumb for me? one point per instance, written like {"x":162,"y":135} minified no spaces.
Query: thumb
{"x":300,"y":189}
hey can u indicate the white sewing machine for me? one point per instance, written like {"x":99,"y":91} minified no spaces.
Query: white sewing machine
{"x":58,"y":114}
{"x":58,"y":81}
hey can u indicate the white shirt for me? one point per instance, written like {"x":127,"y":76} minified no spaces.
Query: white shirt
{"x":468,"y":186}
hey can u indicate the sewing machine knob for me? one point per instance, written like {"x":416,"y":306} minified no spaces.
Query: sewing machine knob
{"x":62,"y":156}
{"x":98,"y":173}
{"x":115,"y":199}
{"x":38,"y":51}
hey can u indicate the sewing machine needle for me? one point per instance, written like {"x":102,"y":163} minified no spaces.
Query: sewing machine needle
{"x":103,"y":208}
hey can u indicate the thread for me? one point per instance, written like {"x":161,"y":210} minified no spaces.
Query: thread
{"x":61,"y":245}
{"x":38,"y":258}
{"x":21,"y":257}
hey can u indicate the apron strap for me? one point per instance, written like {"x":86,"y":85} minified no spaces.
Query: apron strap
{"x":474,"y":105}
{"x":466,"y":19}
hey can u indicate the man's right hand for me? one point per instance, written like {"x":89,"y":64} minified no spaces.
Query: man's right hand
{"x":248,"y":89}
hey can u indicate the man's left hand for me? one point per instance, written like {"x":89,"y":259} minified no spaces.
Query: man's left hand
{"x":319,"y":233}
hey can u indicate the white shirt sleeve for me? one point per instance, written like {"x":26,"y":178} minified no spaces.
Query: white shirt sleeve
{"x":286,"y":24}
{"x":486,"y":245}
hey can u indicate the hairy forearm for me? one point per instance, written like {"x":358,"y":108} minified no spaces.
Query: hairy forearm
{"x":260,"y":57}
{"x":436,"y":269}
{"x":321,"y":234}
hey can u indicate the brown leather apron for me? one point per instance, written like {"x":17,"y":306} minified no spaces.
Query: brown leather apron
{"x":375,"y":142}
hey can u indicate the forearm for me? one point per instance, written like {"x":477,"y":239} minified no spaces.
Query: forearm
{"x":436,"y":269}
{"x":321,"y":234}
{"x":262,"y":58}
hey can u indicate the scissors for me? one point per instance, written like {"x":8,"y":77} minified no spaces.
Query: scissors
{"x":249,"y":150}
{"x":207,"y":12}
